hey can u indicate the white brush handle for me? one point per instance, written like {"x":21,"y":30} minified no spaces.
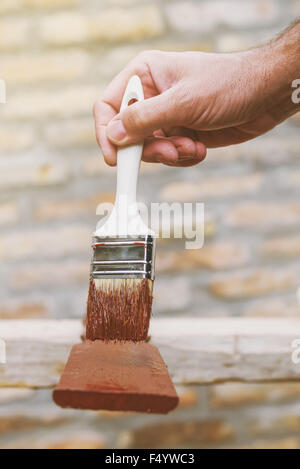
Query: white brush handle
{"x":125,"y":219}
{"x":129,"y":157}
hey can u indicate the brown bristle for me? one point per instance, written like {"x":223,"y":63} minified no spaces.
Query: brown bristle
{"x":119,"y":309}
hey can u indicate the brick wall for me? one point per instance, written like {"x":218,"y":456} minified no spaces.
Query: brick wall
{"x":56,"y":56}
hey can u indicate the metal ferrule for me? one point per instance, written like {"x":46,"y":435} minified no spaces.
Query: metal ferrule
{"x":131,"y":257}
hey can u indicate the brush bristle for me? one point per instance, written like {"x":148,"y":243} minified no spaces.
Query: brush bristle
{"x":119,"y":309}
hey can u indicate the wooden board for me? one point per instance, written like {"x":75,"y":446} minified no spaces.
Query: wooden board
{"x":195,"y":350}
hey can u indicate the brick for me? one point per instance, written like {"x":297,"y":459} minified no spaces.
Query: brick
{"x":14,"y":33}
{"x":283,"y":443}
{"x":285,"y":180}
{"x":50,"y":3}
{"x":17,"y":423}
{"x":113,"y":24}
{"x":274,"y":307}
{"x":8,"y":6}
{"x":89,"y":440}
{"x":117,"y":58}
{"x":21,"y":172}
{"x":167,"y":261}
{"x":16,"y":138}
{"x":95,"y":165}
{"x":225,"y":155}
{"x":233,"y":42}
{"x":230,"y":41}
{"x":65,"y":209}
{"x":23,"y":309}
{"x":231,"y":395}
{"x":264,"y":215}
{"x":68,"y":102}
{"x":288,"y":246}
{"x":123,"y":2}
{"x":67,"y":438}
{"x":273,"y":151}
{"x":50,"y":243}
{"x":210,"y":229}
{"x":64,"y":29}
{"x":254,"y":283}
{"x":116,"y":24}
{"x":188,"y":397}
{"x":186,"y":16}
{"x":288,"y":422}
{"x":263,"y":152}
{"x":181,"y":226}
{"x":215,"y":256}
{"x":283,"y":392}
{"x":163,"y":301}
{"x":74,"y":132}
{"x":49,"y":274}
{"x":236,"y":394}
{"x":217,"y":187}
{"x":289,"y":179}
{"x":29,"y":68}
{"x":8,"y":395}
{"x":178,"y":434}
{"x":180,"y":45}
{"x":8,"y":213}
{"x":115,"y":415}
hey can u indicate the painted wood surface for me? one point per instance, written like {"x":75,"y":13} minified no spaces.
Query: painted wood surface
{"x":195,"y":350}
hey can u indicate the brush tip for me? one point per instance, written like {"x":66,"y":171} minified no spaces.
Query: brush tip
{"x":119,"y":309}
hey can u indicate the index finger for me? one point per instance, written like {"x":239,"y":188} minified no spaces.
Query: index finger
{"x":107,"y":107}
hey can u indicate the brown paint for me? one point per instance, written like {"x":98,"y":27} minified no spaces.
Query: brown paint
{"x":124,"y":376}
{"x":119,"y":314}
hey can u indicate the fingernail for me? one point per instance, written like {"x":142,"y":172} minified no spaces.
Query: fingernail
{"x":116,"y":131}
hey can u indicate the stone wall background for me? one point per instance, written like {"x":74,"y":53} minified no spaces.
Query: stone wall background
{"x":56,"y":56}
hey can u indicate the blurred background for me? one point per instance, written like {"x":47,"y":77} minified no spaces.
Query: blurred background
{"x":56,"y":57}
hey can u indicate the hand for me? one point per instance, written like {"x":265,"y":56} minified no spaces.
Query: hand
{"x":193,"y":101}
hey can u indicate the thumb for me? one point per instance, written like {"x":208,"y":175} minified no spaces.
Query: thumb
{"x":142,"y":118}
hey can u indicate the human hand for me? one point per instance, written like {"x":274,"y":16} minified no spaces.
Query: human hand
{"x":193,"y":101}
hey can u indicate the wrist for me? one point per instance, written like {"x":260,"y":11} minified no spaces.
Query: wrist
{"x":279,"y":67}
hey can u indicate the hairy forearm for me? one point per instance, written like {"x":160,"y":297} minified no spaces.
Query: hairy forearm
{"x":281,"y":59}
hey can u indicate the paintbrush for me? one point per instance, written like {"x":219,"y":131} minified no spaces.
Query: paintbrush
{"x":115,"y":368}
{"x":122,"y":268}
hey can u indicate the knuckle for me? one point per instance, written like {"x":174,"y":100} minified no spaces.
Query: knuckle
{"x":144,"y":57}
{"x":133,"y":120}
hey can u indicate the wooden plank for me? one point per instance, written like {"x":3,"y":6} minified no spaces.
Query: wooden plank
{"x":36,"y":351}
{"x":195,"y":350}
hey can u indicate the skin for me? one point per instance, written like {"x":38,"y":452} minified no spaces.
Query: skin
{"x":195,"y":100}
